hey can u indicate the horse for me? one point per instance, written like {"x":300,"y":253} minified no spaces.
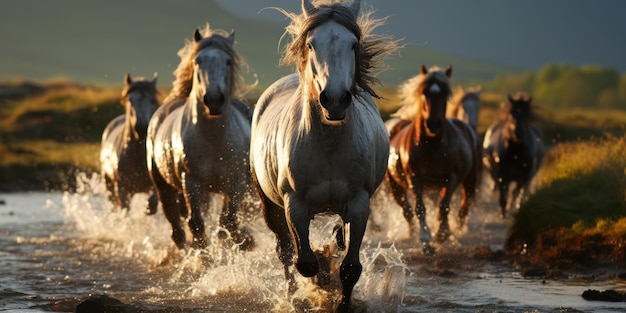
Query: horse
{"x":429,"y":150}
{"x":319,"y":145}
{"x":513,"y":150}
{"x":465,"y":105}
{"x":199,"y":140}
{"x":123,"y":148}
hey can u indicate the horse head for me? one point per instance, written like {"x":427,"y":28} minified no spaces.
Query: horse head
{"x":212,"y":71}
{"x":434,"y":92}
{"x":140,"y":102}
{"x":331,"y":47}
{"x":518,"y":116}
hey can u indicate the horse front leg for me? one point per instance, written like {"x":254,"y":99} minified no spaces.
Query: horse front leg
{"x":299,"y":220}
{"x":355,"y":222}
{"x":194,"y":200}
{"x":420,"y":211}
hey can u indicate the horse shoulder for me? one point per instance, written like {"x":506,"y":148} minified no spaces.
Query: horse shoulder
{"x":285,"y":85}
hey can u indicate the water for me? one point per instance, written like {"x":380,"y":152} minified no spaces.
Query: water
{"x":58,"y":249}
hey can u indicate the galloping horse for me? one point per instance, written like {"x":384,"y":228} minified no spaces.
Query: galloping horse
{"x":465,"y":105}
{"x":513,"y":150}
{"x":429,"y":150}
{"x":318,"y":142}
{"x":198,"y":140}
{"x":123,"y":149}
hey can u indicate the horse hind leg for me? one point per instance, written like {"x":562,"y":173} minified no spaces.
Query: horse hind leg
{"x":504,"y":194}
{"x":468,"y":194}
{"x":276,"y":221}
{"x":229,"y":220}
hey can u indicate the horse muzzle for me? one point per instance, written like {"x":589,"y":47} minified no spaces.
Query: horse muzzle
{"x":215,"y":103}
{"x":334,"y":105}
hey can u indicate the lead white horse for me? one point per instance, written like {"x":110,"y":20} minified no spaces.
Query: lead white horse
{"x":318,"y":143}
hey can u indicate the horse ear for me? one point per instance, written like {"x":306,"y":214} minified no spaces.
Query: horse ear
{"x":448,"y":70}
{"x":127,"y":79}
{"x":424,"y":70}
{"x":155,"y":76}
{"x":231,"y":37}
{"x":307,"y":7}
{"x":479,"y":88}
{"x":355,"y":6}
{"x":510,"y":98}
{"x":197,"y":36}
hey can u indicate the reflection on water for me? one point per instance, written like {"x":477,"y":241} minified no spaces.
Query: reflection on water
{"x":57,"y":249}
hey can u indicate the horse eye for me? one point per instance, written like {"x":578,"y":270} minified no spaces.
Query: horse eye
{"x":355,"y":46}
{"x":309,"y":46}
{"x":228,"y":62}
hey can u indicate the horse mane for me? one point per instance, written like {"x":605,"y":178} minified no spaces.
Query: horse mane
{"x":184,"y":72}
{"x":411,"y":90}
{"x":373,"y":49}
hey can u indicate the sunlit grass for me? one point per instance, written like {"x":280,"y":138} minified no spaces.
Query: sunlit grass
{"x":581,"y":194}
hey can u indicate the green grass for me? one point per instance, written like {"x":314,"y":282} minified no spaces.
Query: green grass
{"x":580,"y":201}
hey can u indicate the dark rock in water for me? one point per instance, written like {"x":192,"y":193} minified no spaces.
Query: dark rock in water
{"x":536,"y":271}
{"x":2,"y":202}
{"x":621,"y":276}
{"x":99,"y":304}
{"x":607,"y":295}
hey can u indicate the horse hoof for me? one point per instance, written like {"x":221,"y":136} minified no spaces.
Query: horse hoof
{"x":428,"y":250}
{"x":308,"y":269}
{"x":442,"y":237}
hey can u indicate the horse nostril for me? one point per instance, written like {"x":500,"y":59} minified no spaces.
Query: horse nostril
{"x":324,"y":100}
{"x":347,"y":99}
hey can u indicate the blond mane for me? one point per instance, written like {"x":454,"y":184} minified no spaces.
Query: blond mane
{"x":184,"y":72}
{"x":373,"y":49}
{"x":411,"y":90}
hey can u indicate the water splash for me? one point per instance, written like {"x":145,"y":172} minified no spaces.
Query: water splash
{"x":222,"y":276}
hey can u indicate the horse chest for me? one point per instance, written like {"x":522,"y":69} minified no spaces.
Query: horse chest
{"x":431,"y":161}
{"x":325,"y":178}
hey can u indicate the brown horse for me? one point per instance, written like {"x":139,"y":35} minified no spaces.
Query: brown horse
{"x":513,"y":150}
{"x":429,"y":150}
{"x":123,"y":149}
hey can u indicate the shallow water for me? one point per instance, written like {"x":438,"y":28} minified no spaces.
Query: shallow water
{"x":58,"y":249}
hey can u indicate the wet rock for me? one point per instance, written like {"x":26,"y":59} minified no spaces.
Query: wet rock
{"x":607,"y":295}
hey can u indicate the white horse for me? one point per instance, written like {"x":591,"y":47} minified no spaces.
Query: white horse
{"x":318,"y":142}
{"x":198,"y":140}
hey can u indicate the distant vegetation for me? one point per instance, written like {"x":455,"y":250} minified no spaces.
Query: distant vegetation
{"x":564,"y":86}
{"x":577,"y":215}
